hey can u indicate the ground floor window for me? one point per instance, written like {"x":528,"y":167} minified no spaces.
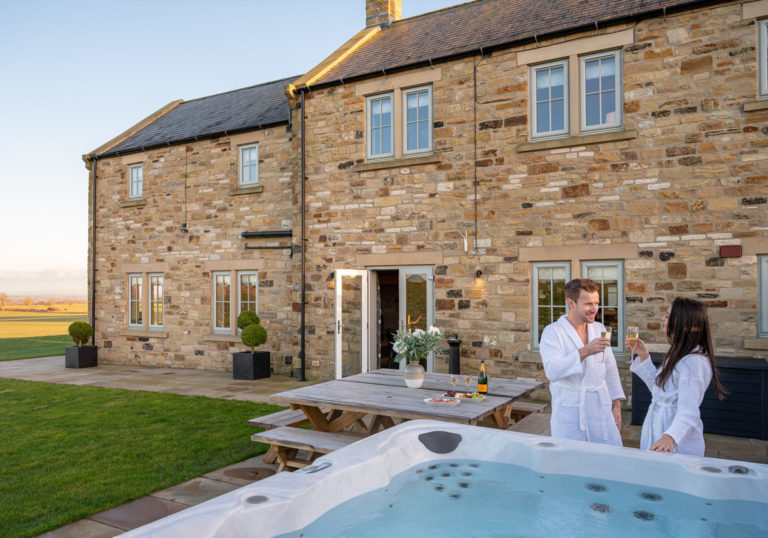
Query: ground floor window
{"x":140,"y":302}
{"x":226,"y":306}
{"x":222,"y":297}
{"x":249,"y":288}
{"x":548,"y":291}
{"x":763,"y":302}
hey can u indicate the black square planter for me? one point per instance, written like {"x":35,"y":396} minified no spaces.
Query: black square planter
{"x":250,"y":366}
{"x":81,"y":357}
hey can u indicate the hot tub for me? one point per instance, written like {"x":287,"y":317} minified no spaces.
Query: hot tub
{"x":439,"y":479}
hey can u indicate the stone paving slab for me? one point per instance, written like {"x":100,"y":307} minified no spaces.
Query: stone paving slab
{"x":137,"y":513}
{"x":195,"y":491}
{"x":85,"y":528}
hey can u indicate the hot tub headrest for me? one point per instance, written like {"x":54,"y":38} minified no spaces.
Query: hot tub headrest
{"x":440,"y":442}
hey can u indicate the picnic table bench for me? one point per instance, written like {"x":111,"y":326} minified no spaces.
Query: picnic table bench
{"x":288,"y":441}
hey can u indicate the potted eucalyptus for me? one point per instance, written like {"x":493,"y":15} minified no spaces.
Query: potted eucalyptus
{"x":81,"y":355}
{"x":253,"y":364}
{"x":413,"y":347}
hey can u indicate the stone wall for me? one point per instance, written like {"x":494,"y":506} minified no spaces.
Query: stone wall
{"x":148,"y":236}
{"x":686,"y":175}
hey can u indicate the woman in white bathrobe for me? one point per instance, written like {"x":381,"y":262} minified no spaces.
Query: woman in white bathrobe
{"x":673,"y":422}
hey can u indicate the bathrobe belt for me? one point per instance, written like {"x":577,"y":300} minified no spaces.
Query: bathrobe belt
{"x":582,"y":408}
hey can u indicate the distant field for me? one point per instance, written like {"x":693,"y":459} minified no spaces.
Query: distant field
{"x":15,"y":324}
{"x":72,"y":308}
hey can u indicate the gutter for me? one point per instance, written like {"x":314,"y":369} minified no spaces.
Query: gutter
{"x":486,"y":50}
{"x":302,"y":249}
{"x":93,"y":250}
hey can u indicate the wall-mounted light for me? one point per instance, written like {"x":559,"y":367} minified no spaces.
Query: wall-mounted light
{"x":478,"y":273}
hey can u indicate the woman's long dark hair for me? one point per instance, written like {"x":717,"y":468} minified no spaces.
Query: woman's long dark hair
{"x":688,"y":329}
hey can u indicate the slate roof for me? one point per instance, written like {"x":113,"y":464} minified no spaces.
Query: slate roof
{"x":215,"y":115}
{"x":489,"y":24}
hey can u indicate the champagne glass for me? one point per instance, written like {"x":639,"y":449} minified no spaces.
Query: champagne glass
{"x":633,"y":333}
{"x":467,"y":380}
{"x":454,"y":380}
{"x":605,"y":334}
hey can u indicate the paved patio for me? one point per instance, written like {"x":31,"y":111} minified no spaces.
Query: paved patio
{"x":221,"y":385}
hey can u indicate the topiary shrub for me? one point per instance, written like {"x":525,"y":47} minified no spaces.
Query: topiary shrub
{"x":253,"y":336}
{"x":247,"y":317}
{"x":81,"y":332}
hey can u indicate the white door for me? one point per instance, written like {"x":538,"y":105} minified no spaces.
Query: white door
{"x":417,"y":300}
{"x":351,"y":322}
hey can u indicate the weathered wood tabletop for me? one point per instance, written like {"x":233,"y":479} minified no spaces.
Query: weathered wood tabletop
{"x":497,"y":386}
{"x":385,"y":397}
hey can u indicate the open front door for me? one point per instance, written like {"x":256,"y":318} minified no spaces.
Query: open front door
{"x":417,"y":301}
{"x":351,"y":322}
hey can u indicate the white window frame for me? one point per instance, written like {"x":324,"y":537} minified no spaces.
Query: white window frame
{"x":406,"y":93}
{"x":762,"y":68}
{"x":240,"y":276}
{"x":136,"y":181}
{"x":762,"y":262}
{"x":139,"y":301}
{"x":242,"y":164}
{"x":535,"y":266}
{"x":619,"y":100}
{"x":215,"y":301}
{"x":620,"y":311}
{"x":566,"y":101}
{"x":153,"y":302}
{"x":368,"y":125}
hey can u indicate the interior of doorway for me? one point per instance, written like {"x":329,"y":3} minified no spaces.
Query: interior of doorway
{"x":387,"y":315}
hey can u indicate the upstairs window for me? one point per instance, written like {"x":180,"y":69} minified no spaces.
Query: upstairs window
{"x":549,"y":98}
{"x":417,"y":120}
{"x":600,"y":91}
{"x":136,"y":187}
{"x":762,"y":57}
{"x":380,"y":132}
{"x":249,"y":165}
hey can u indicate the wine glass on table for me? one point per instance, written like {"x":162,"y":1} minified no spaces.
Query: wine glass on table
{"x":467,"y":381}
{"x":633,"y":333}
{"x":606,"y":333}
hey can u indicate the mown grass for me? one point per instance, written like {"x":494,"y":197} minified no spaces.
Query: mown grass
{"x":24,"y":324}
{"x":68,"y":452}
{"x":34,"y":346}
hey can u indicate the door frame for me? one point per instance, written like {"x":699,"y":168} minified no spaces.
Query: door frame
{"x":337,"y":318}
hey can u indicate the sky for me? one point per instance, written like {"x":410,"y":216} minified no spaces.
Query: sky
{"x":76,"y":73}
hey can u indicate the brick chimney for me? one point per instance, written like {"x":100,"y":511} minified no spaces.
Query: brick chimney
{"x":382,"y":11}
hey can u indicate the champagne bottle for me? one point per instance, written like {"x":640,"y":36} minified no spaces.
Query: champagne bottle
{"x":482,"y":380}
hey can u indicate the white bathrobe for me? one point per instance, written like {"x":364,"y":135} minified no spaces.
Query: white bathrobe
{"x":675,"y":410}
{"x":582,"y":392}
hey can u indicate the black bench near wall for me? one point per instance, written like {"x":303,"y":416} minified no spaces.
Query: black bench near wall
{"x":743,"y":412}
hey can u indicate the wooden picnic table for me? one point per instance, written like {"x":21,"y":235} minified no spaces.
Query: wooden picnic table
{"x":384,"y":398}
{"x":497,"y":386}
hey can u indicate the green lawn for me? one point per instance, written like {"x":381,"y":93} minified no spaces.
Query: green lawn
{"x":68,"y":452}
{"x":33,"y":346}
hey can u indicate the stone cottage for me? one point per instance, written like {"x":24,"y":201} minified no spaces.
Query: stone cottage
{"x":458,"y":168}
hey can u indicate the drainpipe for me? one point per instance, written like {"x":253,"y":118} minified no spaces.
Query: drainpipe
{"x":94,"y":160}
{"x":303,"y":351}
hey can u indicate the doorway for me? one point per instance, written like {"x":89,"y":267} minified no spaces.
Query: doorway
{"x":371,"y":305}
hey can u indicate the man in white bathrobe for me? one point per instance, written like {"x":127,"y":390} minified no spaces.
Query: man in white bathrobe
{"x":582,"y":372}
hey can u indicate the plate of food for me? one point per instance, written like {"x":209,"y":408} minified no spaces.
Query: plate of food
{"x":442,"y":401}
{"x":476,"y":396}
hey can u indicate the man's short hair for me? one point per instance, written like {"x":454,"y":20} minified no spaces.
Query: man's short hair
{"x":574,"y":287}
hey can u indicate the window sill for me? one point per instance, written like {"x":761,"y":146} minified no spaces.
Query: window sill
{"x":133,"y":203}
{"x":214,"y":337}
{"x":246,"y":190}
{"x":756,"y":343}
{"x":756,"y":105}
{"x":581,"y":140}
{"x":154,"y":333}
{"x":398,"y":163}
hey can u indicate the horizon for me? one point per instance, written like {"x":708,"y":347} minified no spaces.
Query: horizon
{"x":111,"y":69}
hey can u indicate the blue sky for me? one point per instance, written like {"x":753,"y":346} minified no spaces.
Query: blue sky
{"x":77,"y":73}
